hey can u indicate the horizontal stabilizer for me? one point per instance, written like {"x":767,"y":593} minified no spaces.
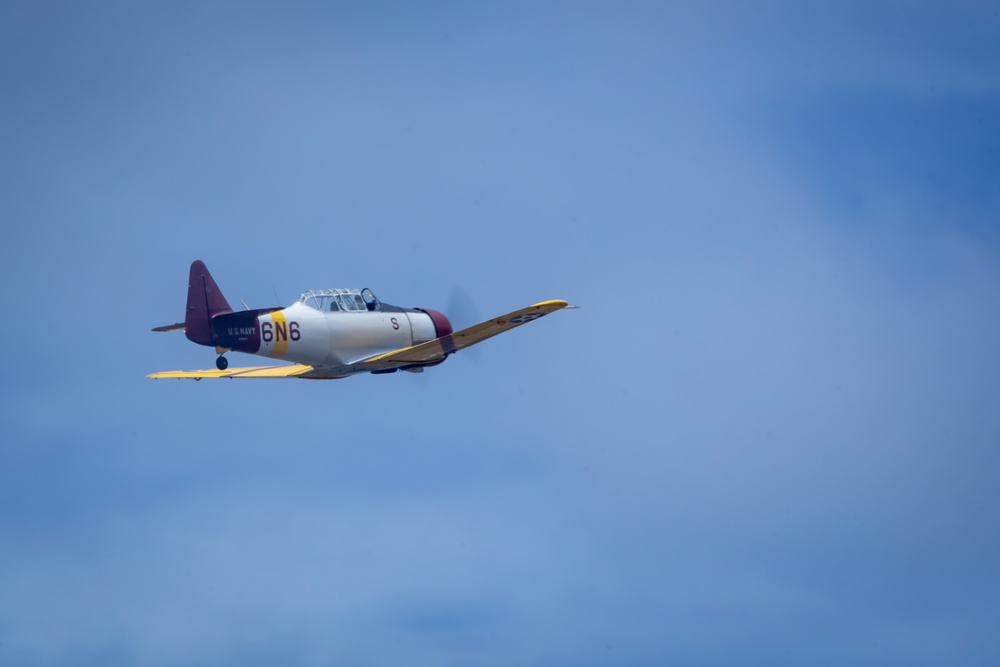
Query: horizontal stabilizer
{"x":171,"y":327}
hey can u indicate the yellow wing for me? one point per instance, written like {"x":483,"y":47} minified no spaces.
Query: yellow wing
{"x":291,"y":371}
{"x":434,"y":351}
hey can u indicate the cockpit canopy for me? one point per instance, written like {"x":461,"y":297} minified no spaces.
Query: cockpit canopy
{"x":340,"y":299}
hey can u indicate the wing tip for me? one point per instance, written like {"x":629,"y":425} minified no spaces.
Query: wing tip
{"x":553,"y":303}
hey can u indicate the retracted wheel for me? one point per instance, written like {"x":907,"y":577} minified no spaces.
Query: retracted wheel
{"x":222,"y":363}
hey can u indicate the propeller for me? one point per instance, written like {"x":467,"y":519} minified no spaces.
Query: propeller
{"x":463,"y":313}
{"x":462,"y":310}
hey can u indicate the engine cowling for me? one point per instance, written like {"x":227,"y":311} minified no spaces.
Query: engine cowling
{"x":442,"y":327}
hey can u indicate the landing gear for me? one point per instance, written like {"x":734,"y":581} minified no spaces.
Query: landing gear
{"x":222,"y":363}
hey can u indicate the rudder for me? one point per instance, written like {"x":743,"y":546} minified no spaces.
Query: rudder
{"x":204,"y":301}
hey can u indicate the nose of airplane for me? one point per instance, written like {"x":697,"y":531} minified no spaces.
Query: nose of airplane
{"x":442,"y":327}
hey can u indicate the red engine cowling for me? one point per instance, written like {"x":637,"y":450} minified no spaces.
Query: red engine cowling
{"x":442,"y":327}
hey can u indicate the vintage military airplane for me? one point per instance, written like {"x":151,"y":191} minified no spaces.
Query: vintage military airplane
{"x":328,"y":334}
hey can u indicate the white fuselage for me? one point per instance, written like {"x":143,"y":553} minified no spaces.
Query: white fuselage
{"x":304,"y":335}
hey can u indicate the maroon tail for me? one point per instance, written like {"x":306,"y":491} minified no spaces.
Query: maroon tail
{"x":204,"y":302}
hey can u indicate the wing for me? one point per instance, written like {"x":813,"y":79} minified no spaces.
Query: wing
{"x":435,"y":351}
{"x":291,"y":371}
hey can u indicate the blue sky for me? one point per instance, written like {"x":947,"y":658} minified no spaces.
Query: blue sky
{"x":769,"y":435}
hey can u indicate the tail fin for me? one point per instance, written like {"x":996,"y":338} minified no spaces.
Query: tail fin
{"x":204,"y":302}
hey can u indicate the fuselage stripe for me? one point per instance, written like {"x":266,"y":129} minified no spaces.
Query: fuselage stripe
{"x":280,"y":334}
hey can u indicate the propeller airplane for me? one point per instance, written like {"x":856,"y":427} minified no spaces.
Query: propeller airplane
{"x":328,"y":334}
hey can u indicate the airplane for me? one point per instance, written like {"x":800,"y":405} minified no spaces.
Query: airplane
{"x":328,"y":334}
